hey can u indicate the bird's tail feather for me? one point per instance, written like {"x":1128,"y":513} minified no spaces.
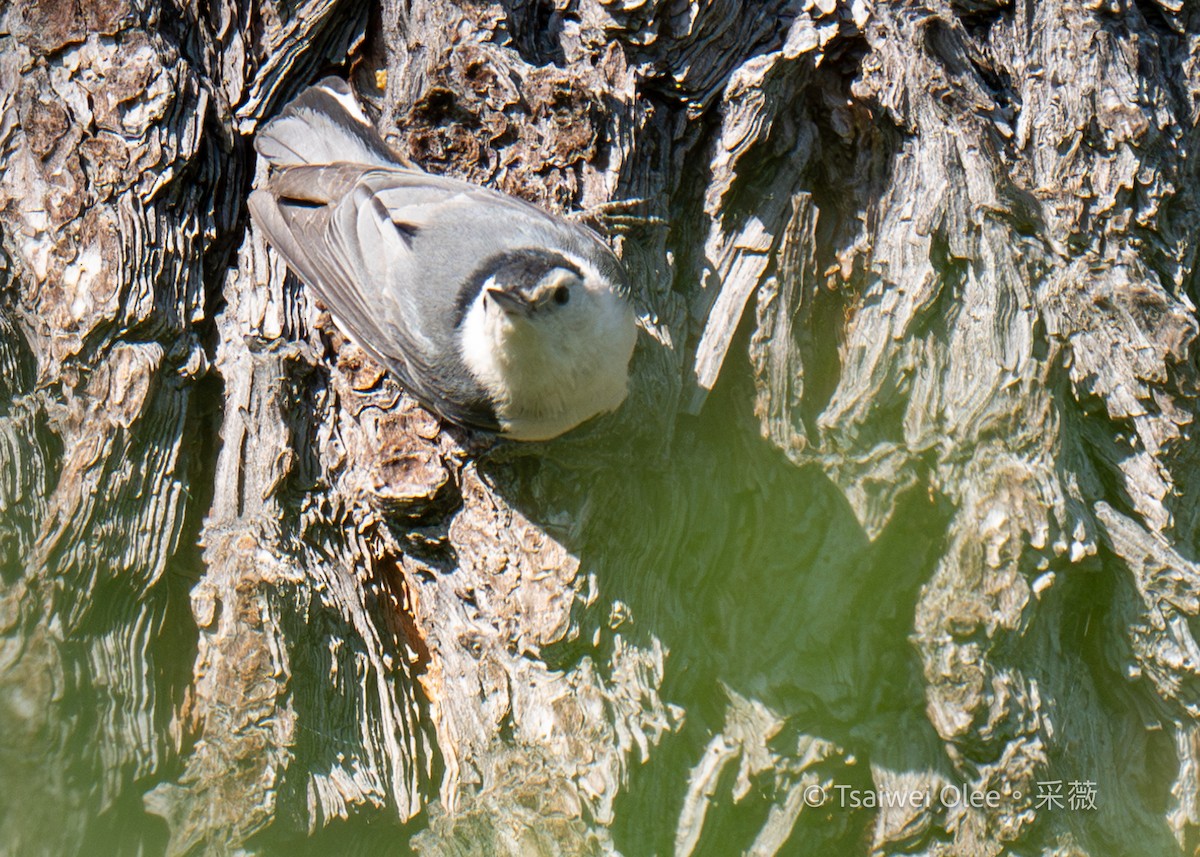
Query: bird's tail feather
{"x":323,"y":125}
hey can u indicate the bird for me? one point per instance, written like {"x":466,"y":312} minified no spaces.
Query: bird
{"x":495,"y":314}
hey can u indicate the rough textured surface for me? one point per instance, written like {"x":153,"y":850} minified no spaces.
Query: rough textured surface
{"x":1020,"y":339}
{"x":939,"y":255}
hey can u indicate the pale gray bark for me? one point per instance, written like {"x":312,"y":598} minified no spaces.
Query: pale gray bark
{"x":940,"y":256}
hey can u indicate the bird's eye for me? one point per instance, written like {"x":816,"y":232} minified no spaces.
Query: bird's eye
{"x":562,"y":295}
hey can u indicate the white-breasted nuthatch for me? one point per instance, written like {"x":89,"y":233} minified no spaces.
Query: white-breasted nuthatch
{"x":493,"y":313}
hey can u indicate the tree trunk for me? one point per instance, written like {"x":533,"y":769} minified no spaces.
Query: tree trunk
{"x":893,"y":548}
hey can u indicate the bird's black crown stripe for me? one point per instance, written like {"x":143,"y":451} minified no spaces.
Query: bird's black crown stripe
{"x":528,"y":263}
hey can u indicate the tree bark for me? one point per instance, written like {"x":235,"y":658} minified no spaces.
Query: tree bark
{"x":903,"y":498}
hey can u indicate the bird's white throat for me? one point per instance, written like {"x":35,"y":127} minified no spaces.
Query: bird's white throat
{"x":553,"y":370}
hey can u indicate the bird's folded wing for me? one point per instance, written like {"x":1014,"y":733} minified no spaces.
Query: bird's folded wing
{"x":411,"y":196}
{"x":342,"y":241}
{"x":323,"y":125}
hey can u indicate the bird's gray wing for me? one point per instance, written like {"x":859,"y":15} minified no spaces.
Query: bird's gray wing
{"x":324,"y":124}
{"x":464,"y":226}
{"x":332,"y":226}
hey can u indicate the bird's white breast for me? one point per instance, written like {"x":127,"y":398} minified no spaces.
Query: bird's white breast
{"x":547,"y":378}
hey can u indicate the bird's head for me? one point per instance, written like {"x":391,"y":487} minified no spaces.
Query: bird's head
{"x":541,"y":290}
{"x":550,"y":335}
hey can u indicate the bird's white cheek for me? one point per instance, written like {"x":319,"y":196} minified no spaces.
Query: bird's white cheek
{"x":481,"y":330}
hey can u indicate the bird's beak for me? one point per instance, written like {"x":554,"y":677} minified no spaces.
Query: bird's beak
{"x":512,"y":302}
